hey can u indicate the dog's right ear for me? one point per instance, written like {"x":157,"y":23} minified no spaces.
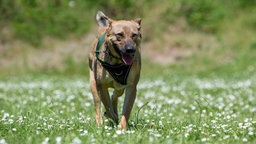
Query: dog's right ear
{"x":102,"y":19}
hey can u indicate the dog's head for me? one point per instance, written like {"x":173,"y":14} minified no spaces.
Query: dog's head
{"x":122,"y":36}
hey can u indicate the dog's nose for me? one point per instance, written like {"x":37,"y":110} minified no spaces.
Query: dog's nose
{"x":129,"y":49}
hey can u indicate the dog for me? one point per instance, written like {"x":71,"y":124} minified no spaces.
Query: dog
{"x":115,"y":62}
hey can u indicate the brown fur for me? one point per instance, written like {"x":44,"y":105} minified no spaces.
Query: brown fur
{"x":122,"y":33}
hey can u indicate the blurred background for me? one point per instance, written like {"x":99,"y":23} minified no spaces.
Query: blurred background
{"x":199,"y":37}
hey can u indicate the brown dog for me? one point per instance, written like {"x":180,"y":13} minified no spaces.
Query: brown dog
{"x":115,"y":62}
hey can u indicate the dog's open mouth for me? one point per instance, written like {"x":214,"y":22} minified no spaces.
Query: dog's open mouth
{"x":127,"y":59}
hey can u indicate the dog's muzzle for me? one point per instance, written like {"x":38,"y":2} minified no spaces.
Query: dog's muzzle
{"x":129,"y":49}
{"x":127,"y":54}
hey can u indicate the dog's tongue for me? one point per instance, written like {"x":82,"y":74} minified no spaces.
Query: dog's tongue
{"x":127,"y":59}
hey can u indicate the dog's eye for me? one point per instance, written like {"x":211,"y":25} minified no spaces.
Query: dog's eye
{"x":134,"y":36}
{"x":119,"y":36}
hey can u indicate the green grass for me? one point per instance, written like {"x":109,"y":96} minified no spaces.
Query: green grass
{"x":178,"y":109}
{"x":206,"y":98}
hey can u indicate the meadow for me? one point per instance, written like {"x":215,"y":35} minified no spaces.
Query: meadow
{"x":168,"y":109}
{"x":197,"y":85}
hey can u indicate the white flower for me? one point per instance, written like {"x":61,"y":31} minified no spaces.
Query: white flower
{"x":245,"y":140}
{"x":85,"y":132}
{"x":76,"y":140}
{"x":236,"y":137}
{"x":151,"y":139}
{"x":130,"y":132}
{"x":250,"y":133}
{"x":160,"y":123}
{"x":204,"y":139}
{"x":213,"y":135}
{"x":46,"y":141}
{"x":87,"y":104}
{"x":10,"y":121}
{"x":158,"y":135}
{"x":213,"y":121}
{"x":14,"y":129}
{"x":226,"y":137}
{"x":118,"y":132}
{"x":58,"y":140}
{"x":2,"y":141}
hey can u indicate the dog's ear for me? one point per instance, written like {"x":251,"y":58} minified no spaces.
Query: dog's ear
{"x":102,"y":19}
{"x":137,"y":20}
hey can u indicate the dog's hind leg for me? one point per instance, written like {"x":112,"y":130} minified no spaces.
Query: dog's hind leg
{"x":96,"y":99}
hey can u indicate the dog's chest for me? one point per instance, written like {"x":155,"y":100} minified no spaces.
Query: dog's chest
{"x":108,"y":81}
{"x":118,"y":72}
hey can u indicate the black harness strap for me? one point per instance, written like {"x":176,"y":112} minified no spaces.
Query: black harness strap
{"x":119,"y":72}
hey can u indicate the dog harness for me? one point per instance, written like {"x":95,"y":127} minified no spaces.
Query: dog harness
{"x":119,"y":72}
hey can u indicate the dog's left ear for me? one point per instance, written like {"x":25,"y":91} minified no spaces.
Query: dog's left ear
{"x":138,"y":20}
{"x":102,"y":19}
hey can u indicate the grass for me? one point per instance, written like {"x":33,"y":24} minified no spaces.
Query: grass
{"x":208,"y":97}
{"x":169,"y":109}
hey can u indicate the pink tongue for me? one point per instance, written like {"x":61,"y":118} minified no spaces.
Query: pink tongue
{"x":127,"y":59}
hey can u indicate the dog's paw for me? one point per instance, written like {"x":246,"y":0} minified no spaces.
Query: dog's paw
{"x":112,"y":117}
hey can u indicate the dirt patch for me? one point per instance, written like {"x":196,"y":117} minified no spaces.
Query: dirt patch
{"x":174,"y":46}
{"x":53,"y":53}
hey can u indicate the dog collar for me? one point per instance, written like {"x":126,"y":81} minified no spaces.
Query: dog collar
{"x":119,"y":72}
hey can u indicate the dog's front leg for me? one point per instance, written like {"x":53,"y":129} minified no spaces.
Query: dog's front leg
{"x":116,"y":94}
{"x":130,"y":95}
{"x":104,"y":95}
